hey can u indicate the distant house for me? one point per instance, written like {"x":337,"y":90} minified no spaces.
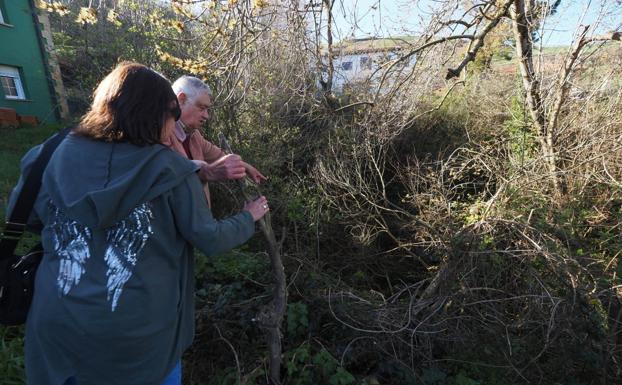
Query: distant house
{"x":31,"y":87}
{"x":357,"y":60}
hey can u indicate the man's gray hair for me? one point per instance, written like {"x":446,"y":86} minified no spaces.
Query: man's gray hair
{"x":190,"y":86}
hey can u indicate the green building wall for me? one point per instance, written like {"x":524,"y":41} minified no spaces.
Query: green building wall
{"x":21,"y":47}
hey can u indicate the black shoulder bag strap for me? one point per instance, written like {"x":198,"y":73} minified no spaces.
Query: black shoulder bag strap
{"x":16,"y":223}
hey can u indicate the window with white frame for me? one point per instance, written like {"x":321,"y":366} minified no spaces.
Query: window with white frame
{"x":11,"y":83}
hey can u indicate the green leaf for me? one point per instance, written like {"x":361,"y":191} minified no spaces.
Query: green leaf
{"x":341,"y":377}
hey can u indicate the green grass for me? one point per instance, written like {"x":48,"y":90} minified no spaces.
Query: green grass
{"x":15,"y":143}
{"x":12,"y":356}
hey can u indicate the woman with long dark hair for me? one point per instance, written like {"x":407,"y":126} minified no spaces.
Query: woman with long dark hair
{"x":120,"y":214}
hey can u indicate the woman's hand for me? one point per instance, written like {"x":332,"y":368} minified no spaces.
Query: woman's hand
{"x":258,"y":208}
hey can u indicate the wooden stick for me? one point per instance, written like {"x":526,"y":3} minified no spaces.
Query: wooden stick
{"x":270,"y":317}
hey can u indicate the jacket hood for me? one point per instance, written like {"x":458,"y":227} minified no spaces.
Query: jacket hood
{"x":99,"y":183}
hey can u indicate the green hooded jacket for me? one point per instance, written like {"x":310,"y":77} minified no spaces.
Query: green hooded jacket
{"x":113,"y":301}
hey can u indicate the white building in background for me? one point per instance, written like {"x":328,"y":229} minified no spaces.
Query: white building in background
{"x":357,"y":61}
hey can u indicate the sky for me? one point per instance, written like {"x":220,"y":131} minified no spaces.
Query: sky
{"x":383,"y":18}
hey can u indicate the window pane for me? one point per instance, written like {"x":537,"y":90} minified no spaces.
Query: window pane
{"x":11,"y":83}
{"x":346,"y":66}
{"x":365,"y":62}
{"x":9,"y":86}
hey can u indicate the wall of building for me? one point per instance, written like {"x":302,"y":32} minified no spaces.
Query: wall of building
{"x":53,"y":66}
{"x":355,"y":68}
{"x":21,"y":48}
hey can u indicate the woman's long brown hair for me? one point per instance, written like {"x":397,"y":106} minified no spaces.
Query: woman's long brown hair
{"x":129,"y":105}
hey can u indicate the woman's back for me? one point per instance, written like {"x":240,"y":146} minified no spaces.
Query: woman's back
{"x":116,"y":218}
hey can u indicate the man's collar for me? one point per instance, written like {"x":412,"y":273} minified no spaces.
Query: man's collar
{"x":183,"y":126}
{"x":180,"y":130}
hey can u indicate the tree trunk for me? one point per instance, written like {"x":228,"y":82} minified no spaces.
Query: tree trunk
{"x":522,"y":24}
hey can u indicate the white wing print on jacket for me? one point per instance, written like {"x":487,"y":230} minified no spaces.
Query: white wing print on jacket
{"x":125,"y":240}
{"x":71,"y":244}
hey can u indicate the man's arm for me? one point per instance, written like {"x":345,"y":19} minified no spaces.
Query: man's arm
{"x":227,"y":167}
{"x":220,"y":166}
{"x":216,"y":165}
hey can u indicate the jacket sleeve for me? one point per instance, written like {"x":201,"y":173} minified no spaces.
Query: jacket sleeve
{"x":34,"y":223}
{"x":211,"y":152}
{"x":196,"y":224}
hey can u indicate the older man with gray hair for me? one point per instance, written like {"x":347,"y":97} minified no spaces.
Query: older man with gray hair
{"x":195,"y":100}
